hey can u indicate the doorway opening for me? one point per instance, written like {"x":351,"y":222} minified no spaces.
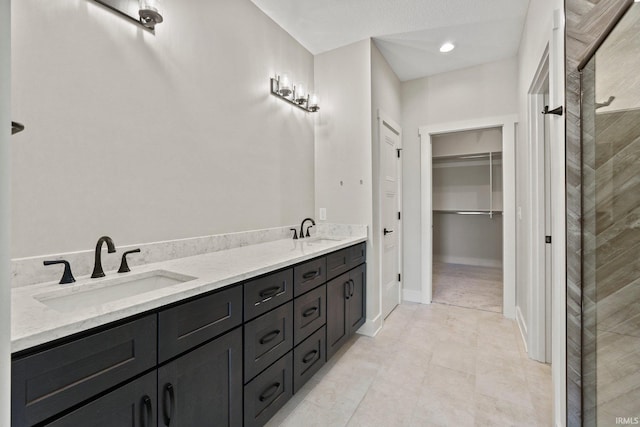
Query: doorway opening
{"x":467,"y":210}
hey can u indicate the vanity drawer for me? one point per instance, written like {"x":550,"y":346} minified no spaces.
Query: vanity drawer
{"x":357,"y":255}
{"x":337,"y":263}
{"x":309,"y":313}
{"x":308,"y":358}
{"x":265,"y":293}
{"x":48,"y":382}
{"x":309,"y":275}
{"x":268,"y":392}
{"x":187,"y":325}
{"x":266,"y":339}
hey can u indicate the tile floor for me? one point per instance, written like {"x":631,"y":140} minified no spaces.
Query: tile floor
{"x":431,"y":365}
{"x":468,"y":286}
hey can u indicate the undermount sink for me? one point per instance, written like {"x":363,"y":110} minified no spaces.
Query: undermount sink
{"x":90,"y":294}
{"x":322,"y":240}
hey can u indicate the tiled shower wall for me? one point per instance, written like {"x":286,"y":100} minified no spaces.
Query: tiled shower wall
{"x":586,"y":22}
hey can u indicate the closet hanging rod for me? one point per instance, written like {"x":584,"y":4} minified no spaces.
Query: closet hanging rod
{"x":470,"y":213}
{"x":475,"y":156}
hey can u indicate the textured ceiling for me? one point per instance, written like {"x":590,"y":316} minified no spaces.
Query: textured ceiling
{"x":407,"y":32}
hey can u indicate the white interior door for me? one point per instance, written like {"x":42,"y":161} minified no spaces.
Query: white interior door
{"x":390,"y":140}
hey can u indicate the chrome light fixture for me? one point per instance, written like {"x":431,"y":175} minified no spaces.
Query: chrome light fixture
{"x":294,"y":94}
{"x":149,"y":13}
{"x":144,"y":12}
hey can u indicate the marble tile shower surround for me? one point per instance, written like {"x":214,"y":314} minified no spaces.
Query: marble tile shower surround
{"x":585,"y":22}
{"x":30,"y":271}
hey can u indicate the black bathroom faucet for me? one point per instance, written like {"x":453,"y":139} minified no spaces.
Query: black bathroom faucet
{"x":97,"y":266}
{"x":302,"y":227}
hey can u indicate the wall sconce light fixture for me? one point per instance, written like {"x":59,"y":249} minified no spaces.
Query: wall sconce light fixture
{"x":282,"y":87}
{"x":145,"y":12}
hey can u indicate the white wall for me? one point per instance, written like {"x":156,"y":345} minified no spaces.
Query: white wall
{"x":343,"y":158}
{"x":478,"y":92}
{"x":5,"y":222}
{"x":542,"y":29}
{"x":152,"y":137}
{"x":386,"y":99}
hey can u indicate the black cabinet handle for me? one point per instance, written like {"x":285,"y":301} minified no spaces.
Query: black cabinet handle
{"x":269,"y":292}
{"x":347,"y":290}
{"x":270,"y":336}
{"x":352,"y":287}
{"x":310,"y":275}
{"x":273,"y":388}
{"x":145,"y":411}
{"x":309,"y":356}
{"x":167,"y":407}
{"x":309,"y":312}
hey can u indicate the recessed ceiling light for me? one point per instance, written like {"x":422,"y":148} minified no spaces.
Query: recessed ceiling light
{"x":447,"y":47}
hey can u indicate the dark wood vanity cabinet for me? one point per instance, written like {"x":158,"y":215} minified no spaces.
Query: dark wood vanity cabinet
{"x":346,"y":307}
{"x":231,"y":357}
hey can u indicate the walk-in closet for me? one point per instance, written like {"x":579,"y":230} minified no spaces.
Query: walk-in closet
{"x":467,"y":219}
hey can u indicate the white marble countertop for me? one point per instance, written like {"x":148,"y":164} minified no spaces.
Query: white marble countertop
{"x":34,"y":323}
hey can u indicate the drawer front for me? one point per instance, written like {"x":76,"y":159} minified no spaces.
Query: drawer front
{"x":268,"y":392}
{"x":51,"y":381}
{"x":266,"y":339}
{"x":265,"y":293}
{"x":357,"y":255}
{"x":337,"y":263}
{"x":309,"y":275}
{"x":308,"y":358}
{"x":309,"y":313}
{"x":133,"y":404}
{"x":187,"y":325}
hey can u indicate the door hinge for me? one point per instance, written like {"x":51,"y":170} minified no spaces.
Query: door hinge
{"x":399,"y":215}
{"x":399,"y":277}
{"x":547,"y":239}
{"x":398,"y":150}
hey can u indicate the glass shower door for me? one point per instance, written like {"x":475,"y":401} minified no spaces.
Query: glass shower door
{"x":611,"y":228}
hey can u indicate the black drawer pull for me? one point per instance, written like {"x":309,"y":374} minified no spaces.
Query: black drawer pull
{"x":167,"y":408}
{"x":309,"y":312}
{"x":268,"y":393}
{"x":269,"y":292}
{"x":310,"y":275}
{"x":270,"y":336}
{"x":309,"y":356}
{"x":352,"y":287}
{"x":347,"y":289}
{"x":145,"y":411}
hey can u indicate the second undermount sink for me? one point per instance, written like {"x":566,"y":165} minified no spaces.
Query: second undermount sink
{"x":96,"y":293}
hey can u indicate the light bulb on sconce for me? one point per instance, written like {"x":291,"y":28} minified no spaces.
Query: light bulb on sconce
{"x":313,"y":102}
{"x":284,"y":86}
{"x":150,"y":13}
{"x":299,"y":95}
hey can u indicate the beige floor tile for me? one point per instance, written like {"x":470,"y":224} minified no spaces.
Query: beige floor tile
{"x":431,"y":365}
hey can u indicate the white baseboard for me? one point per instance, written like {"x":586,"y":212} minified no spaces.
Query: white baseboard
{"x":480,"y":262}
{"x":522,"y":327}
{"x":411,"y":295}
{"x":371,"y":327}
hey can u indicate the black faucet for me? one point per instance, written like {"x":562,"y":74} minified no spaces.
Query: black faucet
{"x":301,"y":235}
{"x":97,"y":267}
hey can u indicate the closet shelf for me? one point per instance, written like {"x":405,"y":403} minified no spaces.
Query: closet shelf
{"x":467,"y":212}
{"x":496,"y":155}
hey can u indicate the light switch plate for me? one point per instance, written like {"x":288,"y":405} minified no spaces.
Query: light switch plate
{"x":323,"y":214}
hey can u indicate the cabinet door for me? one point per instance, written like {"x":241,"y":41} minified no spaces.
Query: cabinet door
{"x":338,"y":291}
{"x":357,"y":300}
{"x":204,"y":386}
{"x":132,"y":405}
{"x":48,"y":382}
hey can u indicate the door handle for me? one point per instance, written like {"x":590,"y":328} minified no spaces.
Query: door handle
{"x":145,"y":411}
{"x":387,"y":231}
{"x":352,"y":287}
{"x":347,"y":289}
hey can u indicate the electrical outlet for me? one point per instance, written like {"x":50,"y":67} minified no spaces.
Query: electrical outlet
{"x":323,"y":214}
